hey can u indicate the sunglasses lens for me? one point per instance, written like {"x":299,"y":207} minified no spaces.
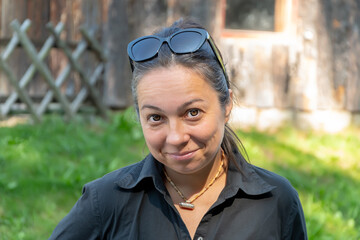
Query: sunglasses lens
{"x":186,"y":42}
{"x":145,"y":49}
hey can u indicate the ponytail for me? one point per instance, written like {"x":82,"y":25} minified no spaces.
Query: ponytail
{"x":232,"y":146}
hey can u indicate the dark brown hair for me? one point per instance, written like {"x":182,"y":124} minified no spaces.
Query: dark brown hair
{"x":204,"y":63}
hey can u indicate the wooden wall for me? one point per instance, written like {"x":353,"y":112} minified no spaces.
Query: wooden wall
{"x":311,"y":72}
{"x":115,"y":22}
{"x":311,"y":66}
{"x":130,"y":19}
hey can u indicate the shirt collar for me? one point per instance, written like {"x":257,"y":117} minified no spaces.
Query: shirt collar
{"x":148,"y":169}
{"x":151,"y":170}
{"x":248,"y":180}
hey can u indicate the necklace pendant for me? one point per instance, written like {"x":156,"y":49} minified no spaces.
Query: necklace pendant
{"x":186,"y":205}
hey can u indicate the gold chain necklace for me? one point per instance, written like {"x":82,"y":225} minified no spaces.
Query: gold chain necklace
{"x":188,"y":202}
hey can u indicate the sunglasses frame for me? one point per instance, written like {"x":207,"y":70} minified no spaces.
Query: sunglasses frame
{"x":204,"y":34}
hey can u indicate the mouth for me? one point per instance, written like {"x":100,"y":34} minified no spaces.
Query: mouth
{"x":182,"y":156}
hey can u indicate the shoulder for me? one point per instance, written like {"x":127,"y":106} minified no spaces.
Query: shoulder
{"x":283,"y":191}
{"x":103,"y":196}
{"x":109,"y":180}
{"x":274,"y":179}
{"x":127,"y":178}
{"x":288,"y":204}
{"x":95,"y":207}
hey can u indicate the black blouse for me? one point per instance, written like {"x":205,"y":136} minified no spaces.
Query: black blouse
{"x":133,"y":203}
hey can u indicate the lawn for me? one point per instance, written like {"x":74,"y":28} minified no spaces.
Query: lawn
{"x":43,"y":168}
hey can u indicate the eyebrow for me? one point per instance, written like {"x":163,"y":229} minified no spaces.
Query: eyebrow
{"x":178,"y":109}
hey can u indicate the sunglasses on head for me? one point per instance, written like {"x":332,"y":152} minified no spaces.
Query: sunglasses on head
{"x":184,"y":41}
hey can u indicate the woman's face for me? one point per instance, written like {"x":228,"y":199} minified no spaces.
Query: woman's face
{"x":181,"y":118}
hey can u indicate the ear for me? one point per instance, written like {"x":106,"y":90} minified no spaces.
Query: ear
{"x":229,"y":106}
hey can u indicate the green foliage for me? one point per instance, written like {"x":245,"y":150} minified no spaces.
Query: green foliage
{"x":43,"y":168}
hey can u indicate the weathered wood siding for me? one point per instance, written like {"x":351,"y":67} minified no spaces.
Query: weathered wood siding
{"x":311,"y":67}
{"x":128,"y":20}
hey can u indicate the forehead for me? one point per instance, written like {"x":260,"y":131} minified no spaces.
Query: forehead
{"x":173,"y":82}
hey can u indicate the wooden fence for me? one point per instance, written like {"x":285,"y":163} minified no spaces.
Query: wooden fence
{"x":88,"y":79}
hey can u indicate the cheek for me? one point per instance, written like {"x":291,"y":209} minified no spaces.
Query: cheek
{"x":211,"y":130}
{"x":149,"y":135}
{"x":154,"y":139}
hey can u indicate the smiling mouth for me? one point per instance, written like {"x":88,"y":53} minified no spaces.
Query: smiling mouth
{"x":182,"y":156}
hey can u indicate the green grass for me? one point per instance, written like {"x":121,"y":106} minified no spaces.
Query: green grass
{"x":324,"y":168}
{"x":43,"y":168}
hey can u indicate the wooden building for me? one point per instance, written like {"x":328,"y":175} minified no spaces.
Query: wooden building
{"x":291,"y":60}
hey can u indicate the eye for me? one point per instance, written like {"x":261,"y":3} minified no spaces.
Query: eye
{"x":155,"y":118}
{"x":193,"y":113}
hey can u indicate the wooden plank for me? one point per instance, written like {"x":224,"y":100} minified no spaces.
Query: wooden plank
{"x":63,"y":11}
{"x":91,"y":19}
{"x":57,"y":11}
{"x":117,"y":94}
{"x":22,"y":94}
{"x":15,"y":41}
{"x":62,"y":77}
{"x":38,"y":11}
{"x":9,"y":49}
{"x":333,"y":48}
{"x":304,"y":86}
{"x":263,"y":81}
{"x":91,"y":15}
{"x":1,"y":8}
{"x":12,"y":10}
{"x":280,"y":76}
{"x":84,"y":92}
{"x":31,"y":51}
{"x":352,"y":85}
{"x":94,"y":45}
{"x":207,"y":15}
{"x":74,"y":14}
{"x":57,"y":60}
{"x":90,"y":61}
{"x":93,"y":93}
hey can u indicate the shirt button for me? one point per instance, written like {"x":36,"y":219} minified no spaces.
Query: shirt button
{"x":200,"y":238}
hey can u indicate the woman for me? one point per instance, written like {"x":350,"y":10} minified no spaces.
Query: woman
{"x":195,"y":183}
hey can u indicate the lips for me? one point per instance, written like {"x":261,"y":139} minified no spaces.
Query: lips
{"x":182,"y":156}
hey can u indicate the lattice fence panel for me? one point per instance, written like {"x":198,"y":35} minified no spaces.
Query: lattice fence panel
{"x":88,"y":81}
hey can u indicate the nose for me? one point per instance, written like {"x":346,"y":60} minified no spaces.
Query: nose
{"x":177,"y":133}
